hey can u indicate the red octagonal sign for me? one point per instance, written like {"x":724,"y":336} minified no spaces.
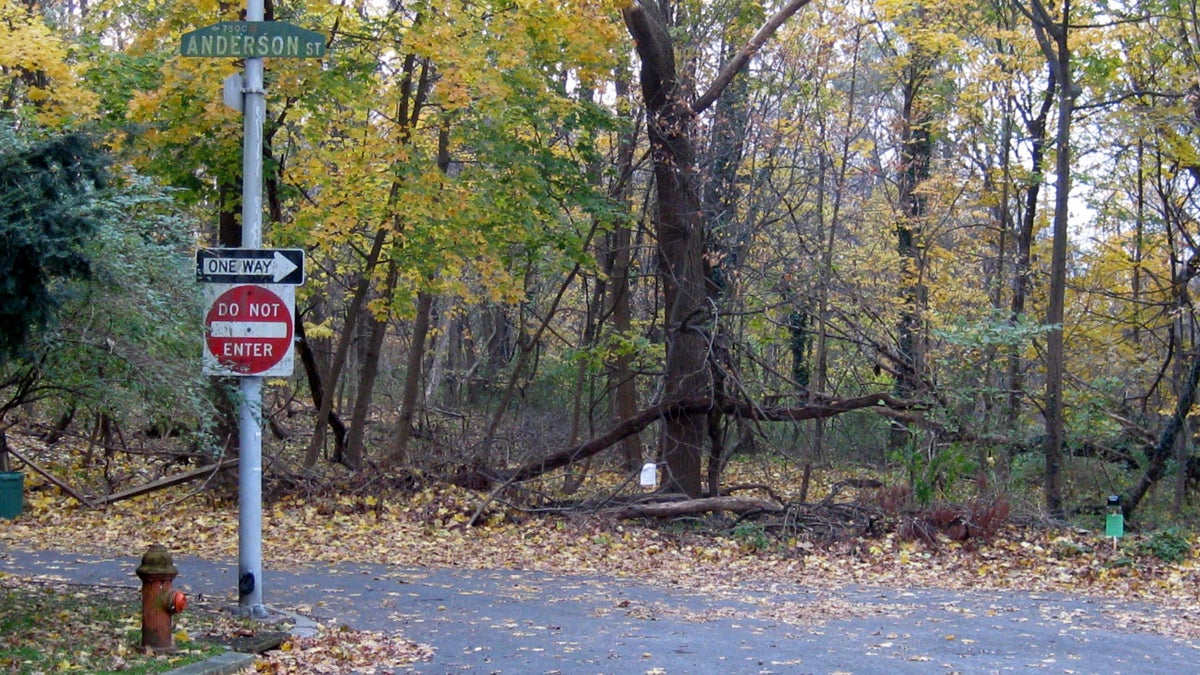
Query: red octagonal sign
{"x":248,"y":330}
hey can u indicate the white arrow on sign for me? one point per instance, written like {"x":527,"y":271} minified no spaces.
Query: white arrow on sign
{"x":277,"y":266}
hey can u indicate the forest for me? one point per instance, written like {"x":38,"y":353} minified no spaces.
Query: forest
{"x":948,"y":246}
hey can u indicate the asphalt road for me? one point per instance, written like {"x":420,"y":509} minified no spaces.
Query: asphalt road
{"x":510,"y":622}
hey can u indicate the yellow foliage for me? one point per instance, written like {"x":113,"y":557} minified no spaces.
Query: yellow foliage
{"x":41,"y":70}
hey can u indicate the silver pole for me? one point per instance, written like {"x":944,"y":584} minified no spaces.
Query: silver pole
{"x":250,"y":582}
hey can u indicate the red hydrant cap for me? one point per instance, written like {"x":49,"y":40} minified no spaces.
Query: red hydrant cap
{"x":178,"y":602}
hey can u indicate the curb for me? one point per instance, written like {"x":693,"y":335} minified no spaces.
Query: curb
{"x":221,"y":664}
{"x":232,"y":662}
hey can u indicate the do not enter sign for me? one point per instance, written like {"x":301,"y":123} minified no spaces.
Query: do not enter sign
{"x":249,"y":330}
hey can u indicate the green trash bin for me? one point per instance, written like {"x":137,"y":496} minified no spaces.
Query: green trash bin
{"x":12,"y":493}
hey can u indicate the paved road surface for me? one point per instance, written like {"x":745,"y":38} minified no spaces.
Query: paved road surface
{"x":513,"y":622}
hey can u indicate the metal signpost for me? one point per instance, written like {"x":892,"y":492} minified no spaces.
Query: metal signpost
{"x":250,"y":322}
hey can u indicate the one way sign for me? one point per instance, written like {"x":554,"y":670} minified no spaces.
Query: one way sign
{"x":250,"y":266}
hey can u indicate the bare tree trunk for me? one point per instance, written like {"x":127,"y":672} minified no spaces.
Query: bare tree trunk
{"x":1162,"y":450}
{"x":679,"y":230}
{"x":414,"y":90}
{"x":60,"y":427}
{"x":526,"y":354}
{"x":820,"y":357}
{"x":317,"y":388}
{"x":575,"y":475}
{"x":618,"y":262}
{"x":670,"y":123}
{"x":343,"y":348}
{"x":355,"y":449}
{"x":916,"y":150}
{"x":1053,"y":38}
{"x":416,"y":350}
{"x":447,"y":336}
{"x":412,"y":378}
{"x":1022,"y":265}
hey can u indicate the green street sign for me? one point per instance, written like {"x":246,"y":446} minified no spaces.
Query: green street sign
{"x":253,"y":39}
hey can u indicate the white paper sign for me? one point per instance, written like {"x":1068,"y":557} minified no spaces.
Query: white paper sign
{"x":649,"y":475}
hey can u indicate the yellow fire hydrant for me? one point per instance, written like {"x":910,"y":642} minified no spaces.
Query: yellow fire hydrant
{"x":159,"y":601}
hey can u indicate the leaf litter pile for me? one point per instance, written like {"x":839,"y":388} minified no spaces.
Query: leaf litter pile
{"x":429,"y":524}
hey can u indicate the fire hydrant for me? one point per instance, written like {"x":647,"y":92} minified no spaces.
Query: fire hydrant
{"x":159,"y":601}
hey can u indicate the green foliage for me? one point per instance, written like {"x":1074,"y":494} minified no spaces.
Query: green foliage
{"x":47,"y":194}
{"x":1088,"y":410}
{"x":933,"y":471}
{"x":126,"y":342}
{"x":1171,"y":545}
{"x":993,"y":330}
{"x":98,"y":309}
{"x":752,"y":535}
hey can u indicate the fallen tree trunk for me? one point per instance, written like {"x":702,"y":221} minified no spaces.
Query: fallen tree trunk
{"x":741,"y":505}
{"x":79,"y":496}
{"x":169,"y":481}
{"x":663,"y":411}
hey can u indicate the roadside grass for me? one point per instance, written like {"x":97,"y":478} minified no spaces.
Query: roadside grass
{"x":54,"y":627}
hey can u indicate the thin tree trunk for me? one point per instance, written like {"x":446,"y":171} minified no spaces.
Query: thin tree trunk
{"x":446,"y":339}
{"x":1161,"y":452}
{"x":1022,"y":265}
{"x":317,"y":388}
{"x":412,"y":378}
{"x":618,"y":262}
{"x":1055,"y":356}
{"x":420,"y":331}
{"x":343,"y":348}
{"x":355,"y":445}
{"x":820,"y":356}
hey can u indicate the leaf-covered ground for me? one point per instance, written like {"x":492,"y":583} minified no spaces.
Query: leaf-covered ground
{"x":48,"y":626}
{"x":428,"y":526}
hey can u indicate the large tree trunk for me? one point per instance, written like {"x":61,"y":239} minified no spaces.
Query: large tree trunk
{"x":680,"y":234}
{"x":679,"y":227}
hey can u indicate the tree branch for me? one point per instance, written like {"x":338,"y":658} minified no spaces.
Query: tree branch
{"x":645,"y":418}
{"x":742,"y":57}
